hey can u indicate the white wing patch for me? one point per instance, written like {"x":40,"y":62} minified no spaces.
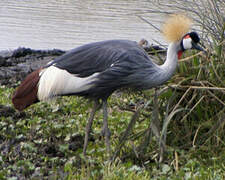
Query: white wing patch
{"x":55,"y":81}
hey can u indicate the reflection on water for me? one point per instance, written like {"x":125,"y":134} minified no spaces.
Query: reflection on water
{"x":65,"y":24}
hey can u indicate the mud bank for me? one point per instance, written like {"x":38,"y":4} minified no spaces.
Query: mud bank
{"x":15,"y":65}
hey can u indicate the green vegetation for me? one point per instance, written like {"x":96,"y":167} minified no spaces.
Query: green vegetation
{"x":42,"y":144}
{"x":188,"y":113}
{"x":46,"y":141}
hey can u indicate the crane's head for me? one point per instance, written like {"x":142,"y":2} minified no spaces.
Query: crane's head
{"x":189,"y":41}
{"x":176,"y":29}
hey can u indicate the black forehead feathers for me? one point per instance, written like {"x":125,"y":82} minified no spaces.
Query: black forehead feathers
{"x":194,"y":36}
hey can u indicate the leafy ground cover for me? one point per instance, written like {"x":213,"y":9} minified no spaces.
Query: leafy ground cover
{"x":45,"y":141}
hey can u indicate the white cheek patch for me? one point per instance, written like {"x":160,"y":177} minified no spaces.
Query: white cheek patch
{"x":187,"y":43}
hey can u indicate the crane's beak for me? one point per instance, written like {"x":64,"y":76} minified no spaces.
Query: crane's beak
{"x":196,"y":46}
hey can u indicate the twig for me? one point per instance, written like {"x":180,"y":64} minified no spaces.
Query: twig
{"x":214,"y":70}
{"x":190,"y":57}
{"x":135,"y":150}
{"x":176,"y":106}
{"x":218,"y":124}
{"x":192,"y":108}
{"x":213,"y":95}
{"x":176,"y":161}
{"x":193,"y":143}
{"x":126,"y":133}
{"x":199,"y":87}
{"x":149,"y":23}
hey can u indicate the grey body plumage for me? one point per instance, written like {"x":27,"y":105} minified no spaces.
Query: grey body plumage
{"x":120,"y":63}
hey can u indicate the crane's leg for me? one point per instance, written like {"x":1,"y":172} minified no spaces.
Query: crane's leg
{"x":105,"y":126}
{"x":89,"y":124}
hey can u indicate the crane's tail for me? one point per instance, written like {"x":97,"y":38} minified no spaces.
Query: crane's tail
{"x":26,"y":94}
{"x":46,"y":83}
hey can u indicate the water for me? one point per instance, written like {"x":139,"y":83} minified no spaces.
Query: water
{"x":65,"y":24}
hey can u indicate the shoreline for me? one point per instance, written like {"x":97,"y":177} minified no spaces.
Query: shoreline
{"x":16,"y":64}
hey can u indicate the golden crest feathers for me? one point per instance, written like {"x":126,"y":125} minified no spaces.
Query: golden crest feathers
{"x":176,"y":27}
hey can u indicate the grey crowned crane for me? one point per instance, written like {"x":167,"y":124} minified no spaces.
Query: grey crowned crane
{"x":97,"y":69}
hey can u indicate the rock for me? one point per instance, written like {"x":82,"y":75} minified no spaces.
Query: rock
{"x":21,"y":52}
{"x":15,"y":65}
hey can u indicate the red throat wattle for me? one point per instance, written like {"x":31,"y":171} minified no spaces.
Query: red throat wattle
{"x":179,"y":54}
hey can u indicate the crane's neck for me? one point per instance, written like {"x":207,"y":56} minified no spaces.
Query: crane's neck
{"x":169,"y":67}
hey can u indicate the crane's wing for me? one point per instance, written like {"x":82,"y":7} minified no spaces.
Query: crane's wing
{"x":94,"y":57}
{"x":134,"y":69}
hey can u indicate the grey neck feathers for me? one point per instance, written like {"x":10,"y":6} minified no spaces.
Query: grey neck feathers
{"x":169,"y":67}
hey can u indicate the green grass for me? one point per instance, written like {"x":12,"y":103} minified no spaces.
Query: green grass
{"x":43,"y":144}
{"x":45,"y":141}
